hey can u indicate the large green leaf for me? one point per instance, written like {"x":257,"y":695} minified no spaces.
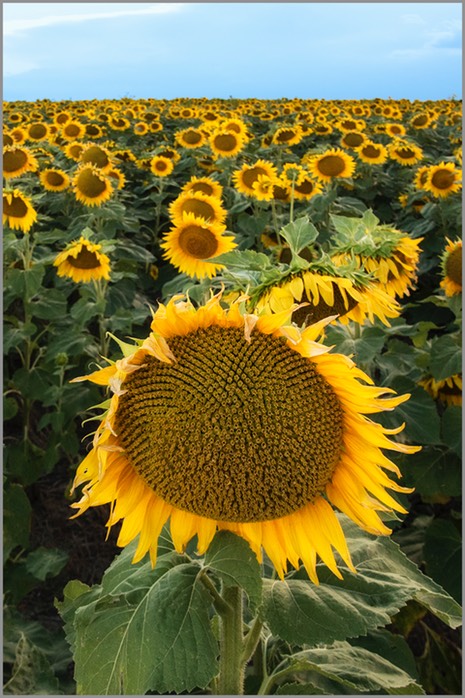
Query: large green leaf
{"x":157,"y":636}
{"x":233,"y":560}
{"x":434,"y":471}
{"x":300,"y":612}
{"x":451,"y":427}
{"x":443,"y":554}
{"x":46,"y":562}
{"x":446,"y":357}
{"x":363,"y":348}
{"x":422,"y":422}
{"x":357,"y":669}
{"x":32,"y":672}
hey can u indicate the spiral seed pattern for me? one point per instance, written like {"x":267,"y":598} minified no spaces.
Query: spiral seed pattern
{"x":234,"y":430}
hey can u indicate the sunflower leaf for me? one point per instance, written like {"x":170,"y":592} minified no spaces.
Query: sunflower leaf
{"x":233,"y":560}
{"x":446,"y":357}
{"x":299,"y":234}
{"x":300,"y":612}
{"x":356,"y":669}
{"x":156,"y":637}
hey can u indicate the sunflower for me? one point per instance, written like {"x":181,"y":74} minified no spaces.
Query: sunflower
{"x":37,"y":131}
{"x":117,"y":176}
{"x":405,"y":153}
{"x":17,"y":161}
{"x":98,"y":156}
{"x":395,"y":130}
{"x":448,"y":390}
{"x":323,"y":295}
{"x":201,"y":205}
{"x":73,"y":130}
{"x":332,"y":164}
{"x":18,"y":212}
{"x":307,"y":188}
{"x":73,"y":151}
{"x":392,"y":258}
{"x":443,"y":179}
{"x":82,"y":261}
{"x":421,"y":175}
{"x":451,"y":264}
{"x":287,"y":135}
{"x":264,"y":188}
{"x":225,"y":143}
{"x":140,"y":128}
{"x":227,"y":420}
{"x":93,"y":131}
{"x":206,"y":185}
{"x":190,"y":138}
{"x":353,"y":139}
{"x":193,"y":241}
{"x":91,"y":187}
{"x":18,"y":135}
{"x":54,"y":179}
{"x":372,"y":153}
{"x":155,"y":127}
{"x":161,"y":166}
{"x":245,"y":178}
{"x":420,"y":121}
{"x":282,"y":191}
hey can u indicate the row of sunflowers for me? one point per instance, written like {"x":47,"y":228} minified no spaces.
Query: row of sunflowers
{"x":323,"y":234}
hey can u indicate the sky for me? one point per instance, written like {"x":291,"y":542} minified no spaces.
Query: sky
{"x":266,"y":50}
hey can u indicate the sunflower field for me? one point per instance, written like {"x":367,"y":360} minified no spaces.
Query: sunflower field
{"x":232,"y":397}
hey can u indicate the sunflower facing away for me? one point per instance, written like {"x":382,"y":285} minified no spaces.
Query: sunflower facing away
{"x":18,"y":212}
{"x":451,"y":263}
{"x":448,"y":390}
{"x":192,"y":242}
{"x":322,"y":295}
{"x":83,"y":261}
{"x":225,"y":420}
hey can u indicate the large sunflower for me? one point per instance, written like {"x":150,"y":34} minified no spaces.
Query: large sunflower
{"x":190,"y":138}
{"x":332,"y":164}
{"x":227,"y":420}
{"x":451,"y":264}
{"x":443,"y":179}
{"x":192,"y":242}
{"x":201,"y":205}
{"x":98,"y":156}
{"x":17,"y":161}
{"x":18,"y":212}
{"x":91,"y":187}
{"x":83,"y":261}
{"x":372,"y":153}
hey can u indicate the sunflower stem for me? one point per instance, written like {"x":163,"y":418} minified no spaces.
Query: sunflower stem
{"x":231,"y":676}
{"x":252,"y":639}
{"x":291,"y":209}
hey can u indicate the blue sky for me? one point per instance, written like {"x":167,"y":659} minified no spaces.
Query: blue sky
{"x":263,"y":50}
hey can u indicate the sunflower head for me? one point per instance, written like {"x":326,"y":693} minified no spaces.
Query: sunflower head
{"x":83,"y":261}
{"x":161,"y":166}
{"x":222,"y":419}
{"x":206,"y":185}
{"x":17,"y":161}
{"x":448,"y":391}
{"x":451,"y":265}
{"x":332,"y":164}
{"x":53,"y":179}
{"x":443,"y":180}
{"x":200,"y":205}
{"x":245,"y":178}
{"x":226,"y":143}
{"x":18,"y":212}
{"x":91,"y":186}
{"x":405,"y":153}
{"x":192,"y":242}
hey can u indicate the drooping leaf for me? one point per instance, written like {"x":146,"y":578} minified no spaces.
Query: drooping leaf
{"x":299,"y":611}
{"x":357,"y":669}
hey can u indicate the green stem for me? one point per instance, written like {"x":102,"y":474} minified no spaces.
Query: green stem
{"x":275,"y":219}
{"x":291,"y":210}
{"x":231,"y":676}
{"x":252,"y":639}
{"x":268,"y":681}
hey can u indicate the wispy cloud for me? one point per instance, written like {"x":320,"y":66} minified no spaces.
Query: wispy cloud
{"x":16,"y":65}
{"x":446,"y":39}
{"x":15,"y":27}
